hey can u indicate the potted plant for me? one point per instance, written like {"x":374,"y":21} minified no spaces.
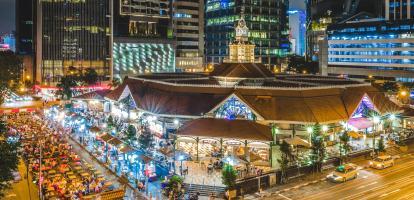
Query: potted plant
{"x":228,"y":177}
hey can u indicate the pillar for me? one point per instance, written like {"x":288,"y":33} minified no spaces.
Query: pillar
{"x":197,"y":141}
{"x":221,"y":148}
{"x":246,"y":152}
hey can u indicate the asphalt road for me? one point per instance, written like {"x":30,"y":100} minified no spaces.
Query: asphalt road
{"x":394,"y":183}
{"x":23,"y":189}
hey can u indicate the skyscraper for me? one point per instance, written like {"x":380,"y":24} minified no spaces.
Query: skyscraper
{"x":72,"y":34}
{"x":399,"y":9}
{"x":188,"y":25}
{"x":142,"y":37}
{"x":267,"y":21}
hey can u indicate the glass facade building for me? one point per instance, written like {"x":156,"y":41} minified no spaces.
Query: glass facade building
{"x":373,"y":48}
{"x":267,"y":21}
{"x":132,"y":57}
{"x":399,"y":9}
{"x":73,"y":33}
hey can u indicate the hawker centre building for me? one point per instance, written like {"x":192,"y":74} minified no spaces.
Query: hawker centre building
{"x":243,"y":104}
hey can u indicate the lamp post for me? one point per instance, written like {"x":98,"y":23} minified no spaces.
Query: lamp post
{"x":181,"y":158}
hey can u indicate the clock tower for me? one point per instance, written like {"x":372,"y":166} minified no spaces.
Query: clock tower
{"x":241,"y":50}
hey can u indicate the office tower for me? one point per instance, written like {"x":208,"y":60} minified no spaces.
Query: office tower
{"x":142,"y":37}
{"x":188,"y":25}
{"x":266,"y":20}
{"x":25,"y":36}
{"x":399,"y":9}
{"x":72,"y":34}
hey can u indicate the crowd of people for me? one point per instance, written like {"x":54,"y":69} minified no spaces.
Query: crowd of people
{"x":63,"y":175}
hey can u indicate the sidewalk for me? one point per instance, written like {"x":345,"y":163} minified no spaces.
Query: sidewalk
{"x":24,"y":189}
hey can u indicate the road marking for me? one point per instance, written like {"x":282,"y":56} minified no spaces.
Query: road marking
{"x":394,"y":191}
{"x":362,"y":186}
{"x":285,"y":197}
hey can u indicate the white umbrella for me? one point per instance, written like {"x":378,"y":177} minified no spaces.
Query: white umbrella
{"x":297,"y":141}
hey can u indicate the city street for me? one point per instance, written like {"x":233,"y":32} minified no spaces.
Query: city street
{"x":392,"y":183}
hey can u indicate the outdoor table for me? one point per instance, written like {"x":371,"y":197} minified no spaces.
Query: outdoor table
{"x":69,"y":173}
{"x":77,"y":168}
{"x":84,"y":174}
{"x":97,"y":173}
{"x":52,"y":171}
{"x":72,"y":177}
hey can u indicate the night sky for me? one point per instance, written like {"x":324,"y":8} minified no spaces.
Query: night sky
{"x":7,"y":17}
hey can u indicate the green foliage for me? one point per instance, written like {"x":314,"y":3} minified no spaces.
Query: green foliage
{"x":381,"y":146}
{"x":10,"y":72}
{"x":9,"y":159}
{"x":145,"y":139}
{"x":298,"y":64}
{"x":65,"y":86}
{"x":345,"y":147}
{"x":228,"y":176}
{"x":174,"y":189}
{"x":318,"y":147}
{"x":131,"y":133}
{"x":285,"y":158}
{"x":115,"y":82}
{"x":10,"y":67}
{"x":110,"y":122}
{"x":389,"y":86}
{"x":90,"y":76}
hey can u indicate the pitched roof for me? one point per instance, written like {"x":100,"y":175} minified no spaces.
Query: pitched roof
{"x":221,"y":128}
{"x":94,"y":95}
{"x":310,"y":105}
{"x":241,"y":70}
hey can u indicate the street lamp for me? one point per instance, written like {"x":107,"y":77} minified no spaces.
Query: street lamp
{"x":181,"y":158}
{"x":392,"y":117}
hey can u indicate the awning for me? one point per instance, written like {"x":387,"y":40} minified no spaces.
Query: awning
{"x":95,"y":129}
{"x":115,"y":141}
{"x":105,"y":137}
{"x":222,"y":128}
{"x":297,"y":141}
{"x":126,"y":149}
{"x":354,"y":134}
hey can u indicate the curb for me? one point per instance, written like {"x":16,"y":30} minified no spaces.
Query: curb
{"x":298,"y":186}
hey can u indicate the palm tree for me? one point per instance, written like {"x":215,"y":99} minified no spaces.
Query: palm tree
{"x":285,"y":159}
{"x":345,"y":147}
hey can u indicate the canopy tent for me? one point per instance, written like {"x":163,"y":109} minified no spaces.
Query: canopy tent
{"x":115,"y":141}
{"x":297,"y":141}
{"x":95,"y":129}
{"x":360,"y":123}
{"x":105,"y":137}
{"x":354,"y":134}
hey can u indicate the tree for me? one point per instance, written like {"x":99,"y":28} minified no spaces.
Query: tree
{"x":131,"y":133}
{"x":65,"y":86}
{"x":128,"y":104}
{"x":381,"y":146}
{"x":298,"y":64}
{"x":145,"y":139}
{"x":9,"y":159}
{"x":345,"y":147}
{"x":228,"y":176}
{"x":90,"y":76}
{"x":110,"y":122}
{"x":174,"y":189}
{"x":318,"y":147}
{"x":115,"y":82}
{"x":389,"y":86}
{"x":284,"y":160}
{"x":10,"y":72}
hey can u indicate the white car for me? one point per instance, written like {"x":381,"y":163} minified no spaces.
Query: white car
{"x":382,"y":162}
{"x":343,"y":173}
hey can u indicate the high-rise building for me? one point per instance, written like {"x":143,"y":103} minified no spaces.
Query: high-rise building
{"x":142,"y":38}
{"x":188,"y":25}
{"x":25,"y":35}
{"x":399,"y":9}
{"x":267,"y":21}
{"x":25,"y":10}
{"x":365,"y":47}
{"x":322,"y":13}
{"x":72,"y":34}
